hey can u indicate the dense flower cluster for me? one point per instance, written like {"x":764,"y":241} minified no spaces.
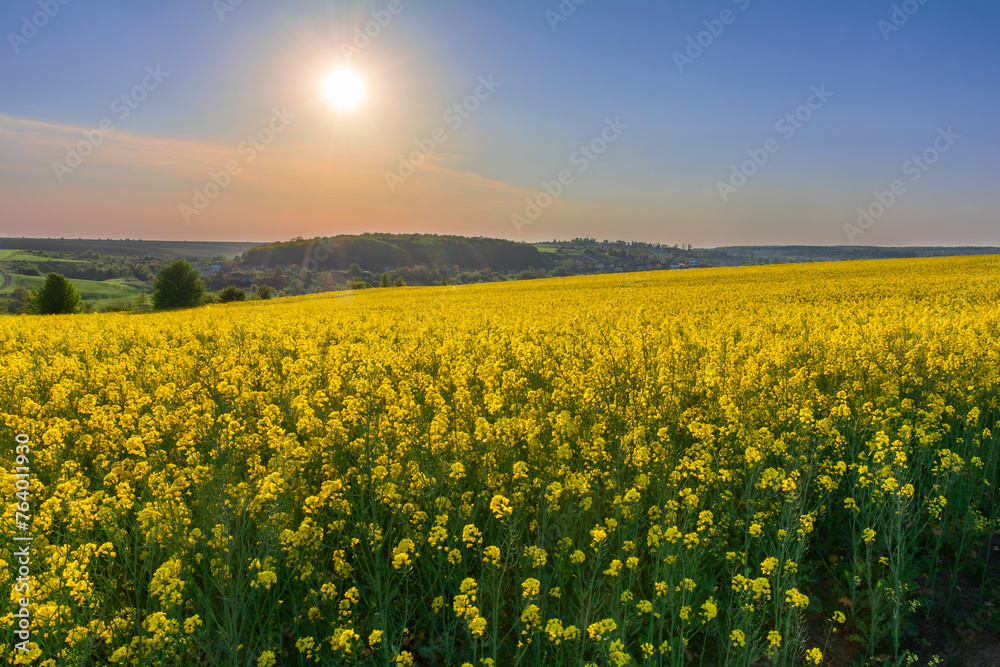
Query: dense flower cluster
{"x":600,"y":470}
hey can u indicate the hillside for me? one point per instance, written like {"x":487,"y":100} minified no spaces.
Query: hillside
{"x":806,"y":253}
{"x":193,"y":250}
{"x":374,"y":252}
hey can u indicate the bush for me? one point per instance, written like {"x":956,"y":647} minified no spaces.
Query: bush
{"x":232,"y":293}
{"x":142,"y":272}
{"x":265,"y":292}
{"x":19,"y":300}
{"x":57,"y":297}
{"x":177,"y":285}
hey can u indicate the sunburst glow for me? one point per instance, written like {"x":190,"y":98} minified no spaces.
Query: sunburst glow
{"x":344,"y":88}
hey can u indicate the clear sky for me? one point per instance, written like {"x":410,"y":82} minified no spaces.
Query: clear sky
{"x":712,"y":123}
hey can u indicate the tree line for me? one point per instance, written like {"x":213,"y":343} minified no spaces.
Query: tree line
{"x":374,"y":252}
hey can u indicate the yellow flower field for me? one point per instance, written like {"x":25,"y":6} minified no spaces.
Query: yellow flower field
{"x":738,"y":464}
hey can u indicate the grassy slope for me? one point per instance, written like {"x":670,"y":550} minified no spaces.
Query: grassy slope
{"x":90,"y":290}
{"x":167,"y":250}
{"x":567,"y":253}
{"x":12,"y":255}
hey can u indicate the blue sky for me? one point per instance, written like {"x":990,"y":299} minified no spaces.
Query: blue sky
{"x":891,"y":90}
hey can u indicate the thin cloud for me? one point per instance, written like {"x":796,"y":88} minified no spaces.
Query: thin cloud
{"x":32,"y":143}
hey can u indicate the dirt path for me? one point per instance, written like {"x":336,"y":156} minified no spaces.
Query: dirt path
{"x":6,"y":280}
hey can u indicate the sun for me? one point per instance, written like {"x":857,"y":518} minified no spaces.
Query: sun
{"x":344,"y":89}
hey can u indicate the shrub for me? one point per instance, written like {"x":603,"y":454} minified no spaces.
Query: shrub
{"x":57,"y":297}
{"x":232,"y":293}
{"x":19,"y":300}
{"x":178,"y":285}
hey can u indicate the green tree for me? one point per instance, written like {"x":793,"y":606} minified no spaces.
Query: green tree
{"x":384,"y":280}
{"x":264,"y":292}
{"x":399,"y":282}
{"x":57,"y":297}
{"x":178,"y":285}
{"x":142,"y":272}
{"x":354,"y":269}
{"x":19,"y":300}
{"x":232,"y":293}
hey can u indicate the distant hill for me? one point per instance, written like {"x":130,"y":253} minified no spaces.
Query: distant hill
{"x":131,"y":248}
{"x":806,"y":253}
{"x":374,"y":252}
